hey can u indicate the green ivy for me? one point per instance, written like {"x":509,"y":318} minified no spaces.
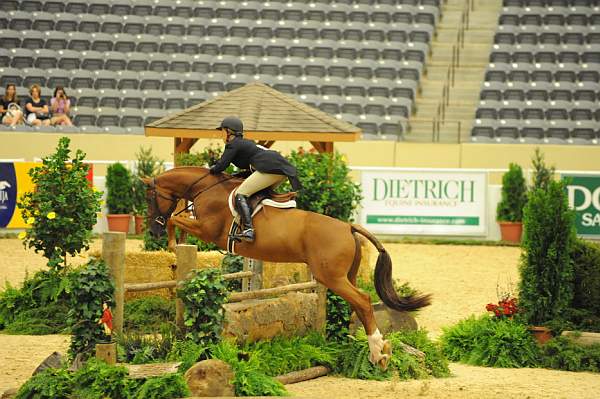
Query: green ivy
{"x":514,"y":195}
{"x":546,"y":271}
{"x":119,"y":197}
{"x":148,"y":314}
{"x":99,"y":380}
{"x":203,"y":295}
{"x":92,"y":286}
{"x":233,"y":264}
{"x":62,"y":209}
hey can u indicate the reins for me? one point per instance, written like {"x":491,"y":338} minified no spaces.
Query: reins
{"x":161,"y":218}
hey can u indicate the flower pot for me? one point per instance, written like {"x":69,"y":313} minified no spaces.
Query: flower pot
{"x":118,"y":223}
{"x":139,"y":224}
{"x":511,"y":231}
{"x":541,"y":334}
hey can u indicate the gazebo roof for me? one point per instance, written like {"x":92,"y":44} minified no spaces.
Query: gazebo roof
{"x":267,"y":114}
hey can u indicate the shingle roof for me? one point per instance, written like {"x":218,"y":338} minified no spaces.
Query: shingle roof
{"x":261,"y":108}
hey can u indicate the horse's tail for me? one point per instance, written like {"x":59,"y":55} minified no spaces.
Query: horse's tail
{"x":383,"y":279}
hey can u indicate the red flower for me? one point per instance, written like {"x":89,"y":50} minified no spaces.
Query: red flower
{"x":490,"y":307}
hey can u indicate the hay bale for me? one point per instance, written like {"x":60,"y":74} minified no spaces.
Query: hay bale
{"x":153,"y":266}
{"x":279,"y":274}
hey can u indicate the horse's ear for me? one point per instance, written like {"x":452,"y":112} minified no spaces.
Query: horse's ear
{"x":147,"y":181}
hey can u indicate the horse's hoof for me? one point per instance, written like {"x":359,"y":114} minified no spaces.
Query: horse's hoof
{"x":384,"y":361}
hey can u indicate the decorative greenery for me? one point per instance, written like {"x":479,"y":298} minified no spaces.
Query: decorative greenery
{"x":542,"y":174}
{"x":119,"y":198}
{"x":249,"y":378}
{"x":62,"y":209}
{"x":148,"y":314}
{"x":326,"y":185}
{"x":203,"y":296}
{"x":99,"y":380}
{"x":514,"y":195}
{"x":506,"y":308}
{"x":139,"y":348}
{"x":188,"y":353}
{"x":91,"y":287}
{"x":49,"y":384}
{"x":492,"y":342}
{"x":338,"y":317}
{"x":148,"y":165}
{"x":155,"y":244}
{"x":39,"y":306}
{"x":546,"y":283}
{"x":585,"y":257}
{"x":403,"y":289}
{"x":563,"y":354}
{"x":354,"y":358}
{"x":283,"y":355}
{"x":208,"y":157}
{"x":164,"y":387}
{"x":232,"y":264}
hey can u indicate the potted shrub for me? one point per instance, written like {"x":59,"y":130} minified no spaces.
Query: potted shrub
{"x":509,"y":212}
{"x":119,"y":197}
{"x":148,"y":165}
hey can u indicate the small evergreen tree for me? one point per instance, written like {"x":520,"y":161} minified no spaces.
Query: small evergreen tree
{"x":542,"y":174}
{"x":546,"y":287}
{"x":119,"y":197}
{"x":514,"y":195}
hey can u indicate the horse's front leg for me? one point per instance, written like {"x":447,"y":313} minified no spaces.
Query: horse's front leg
{"x":171,"y":236}
{"x":186,"y":225}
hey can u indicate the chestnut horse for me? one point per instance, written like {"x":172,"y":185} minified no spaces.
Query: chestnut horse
{"x":329,"y":247}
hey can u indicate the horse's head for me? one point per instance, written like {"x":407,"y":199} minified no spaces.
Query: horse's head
{"x":161,"y":204}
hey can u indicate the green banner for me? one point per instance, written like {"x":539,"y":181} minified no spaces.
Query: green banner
{"x":424,"y":220}
{"x":584,"y":198}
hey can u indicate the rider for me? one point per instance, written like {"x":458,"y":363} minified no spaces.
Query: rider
{"x":269,"y":169}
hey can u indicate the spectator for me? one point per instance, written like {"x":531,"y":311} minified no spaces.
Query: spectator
{"x":10,"y":111}
{"x":36,"y":109}
{"x":60,"y":106}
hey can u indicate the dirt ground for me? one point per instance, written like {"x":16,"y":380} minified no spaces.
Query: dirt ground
{"x":462,"y":280}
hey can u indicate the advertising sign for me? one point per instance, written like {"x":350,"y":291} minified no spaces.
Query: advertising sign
{"x":14,"y":182}
{"x":584,"y":198}
{"x":424,"y":202}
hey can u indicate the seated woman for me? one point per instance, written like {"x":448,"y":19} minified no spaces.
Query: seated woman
{"x":36,"y":109}
{"x":60,"y":105}
{"x":10,"y":110}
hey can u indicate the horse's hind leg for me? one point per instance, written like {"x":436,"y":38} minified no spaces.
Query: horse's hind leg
{"x":380,"y":350}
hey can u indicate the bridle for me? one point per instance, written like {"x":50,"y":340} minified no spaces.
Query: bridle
{"x":162,"y":218}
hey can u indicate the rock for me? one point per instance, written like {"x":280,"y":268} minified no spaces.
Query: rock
{"x":54,"y":361}
{"x":10,"y":393}
{"x":78,"y":362}
{"x":210,"y":378}
{"x":388,"y":320}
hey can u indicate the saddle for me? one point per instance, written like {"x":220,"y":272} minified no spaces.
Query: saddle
{"x":257,"y":201}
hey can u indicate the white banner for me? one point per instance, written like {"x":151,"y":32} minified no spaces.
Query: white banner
{"x":424,"y":202}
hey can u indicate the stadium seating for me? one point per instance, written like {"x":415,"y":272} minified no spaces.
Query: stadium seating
{"x":353,"y":58}
{"x":543,"y":83}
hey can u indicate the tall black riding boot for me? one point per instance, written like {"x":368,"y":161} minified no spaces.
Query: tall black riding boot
{"x":242,"y":207}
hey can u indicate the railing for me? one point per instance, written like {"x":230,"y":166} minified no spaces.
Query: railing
{"x":439,"y":119}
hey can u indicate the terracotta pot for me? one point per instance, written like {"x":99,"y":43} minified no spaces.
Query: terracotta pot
{"x":118,"y":223}
{"x":511,"y":231}
{"x":541,"y":334}
{"x":139,"y":224}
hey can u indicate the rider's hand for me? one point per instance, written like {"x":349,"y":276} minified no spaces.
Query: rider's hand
{"x":213,"y":170}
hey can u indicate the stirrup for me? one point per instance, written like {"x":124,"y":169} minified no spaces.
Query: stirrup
{"x":246,"y":235}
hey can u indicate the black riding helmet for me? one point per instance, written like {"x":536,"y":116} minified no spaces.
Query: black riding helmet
{"x":234,"y":124}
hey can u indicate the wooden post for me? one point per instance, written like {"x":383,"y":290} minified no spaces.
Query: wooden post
{"x":254,"y":282}
{"x":113,"y":253}
{"x":321,"y":308}
{"x":186,"y":262}
{"x":107,"y":352}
